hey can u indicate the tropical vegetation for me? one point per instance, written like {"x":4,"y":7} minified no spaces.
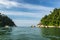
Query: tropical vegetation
{"x":53,"y":19}
{"x":5,"y":20}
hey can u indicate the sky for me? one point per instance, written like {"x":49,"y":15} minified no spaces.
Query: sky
{"x":27,"y":12}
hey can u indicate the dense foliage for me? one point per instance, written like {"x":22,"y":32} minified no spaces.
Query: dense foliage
{"x":5,"y":20}
{"x":52,"y":19}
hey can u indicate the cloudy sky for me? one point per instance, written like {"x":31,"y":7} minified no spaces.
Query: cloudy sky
{"x":27,"y":12}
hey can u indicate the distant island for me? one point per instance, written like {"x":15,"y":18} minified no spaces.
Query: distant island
{"x":51,"y":20}
{"x":6,"y":21}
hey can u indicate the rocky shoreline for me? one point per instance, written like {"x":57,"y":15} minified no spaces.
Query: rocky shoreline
{"x":48,"y":26}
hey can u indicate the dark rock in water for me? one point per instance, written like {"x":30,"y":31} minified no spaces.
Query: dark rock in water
{"x":33,"y":26}
{"x":6,"y":21}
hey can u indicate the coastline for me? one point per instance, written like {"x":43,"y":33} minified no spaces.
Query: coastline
{"x":42,"y":26}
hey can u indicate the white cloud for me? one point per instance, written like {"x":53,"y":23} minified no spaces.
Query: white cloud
{"x":9,"y":4}
{"x":41,"y":10}
{"x":26,"y":22}
{"x":27,"y":14}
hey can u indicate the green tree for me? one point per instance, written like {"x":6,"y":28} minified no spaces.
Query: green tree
{"x":53,"y":19}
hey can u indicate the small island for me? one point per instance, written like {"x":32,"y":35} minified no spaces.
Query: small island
{"x":51,"y":20}
{"x":5,"y":21}
{"x":32,"y":26}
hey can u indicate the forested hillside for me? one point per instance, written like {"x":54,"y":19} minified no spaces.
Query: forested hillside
{"x":53,"y":19}
{"x":5,"y":20}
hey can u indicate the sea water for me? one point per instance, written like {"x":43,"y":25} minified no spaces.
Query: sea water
{"x":28,"y":33}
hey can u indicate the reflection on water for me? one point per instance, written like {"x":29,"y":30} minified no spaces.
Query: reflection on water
{"x":51,"y":33}
{"x":23,"y":33}
{"x":4,"y":31}
{"x":28,"y":33}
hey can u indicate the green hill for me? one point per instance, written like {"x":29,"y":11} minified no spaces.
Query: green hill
{"x":53,"y":19}
{"x":5,"y":20}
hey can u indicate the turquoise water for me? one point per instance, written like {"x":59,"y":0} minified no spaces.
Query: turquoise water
{"x":28,"y":33}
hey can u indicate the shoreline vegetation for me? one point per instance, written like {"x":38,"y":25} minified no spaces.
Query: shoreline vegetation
{"x":51,"y":20}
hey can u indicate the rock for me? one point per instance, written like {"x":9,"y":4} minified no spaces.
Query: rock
{"x":5,"y":20}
